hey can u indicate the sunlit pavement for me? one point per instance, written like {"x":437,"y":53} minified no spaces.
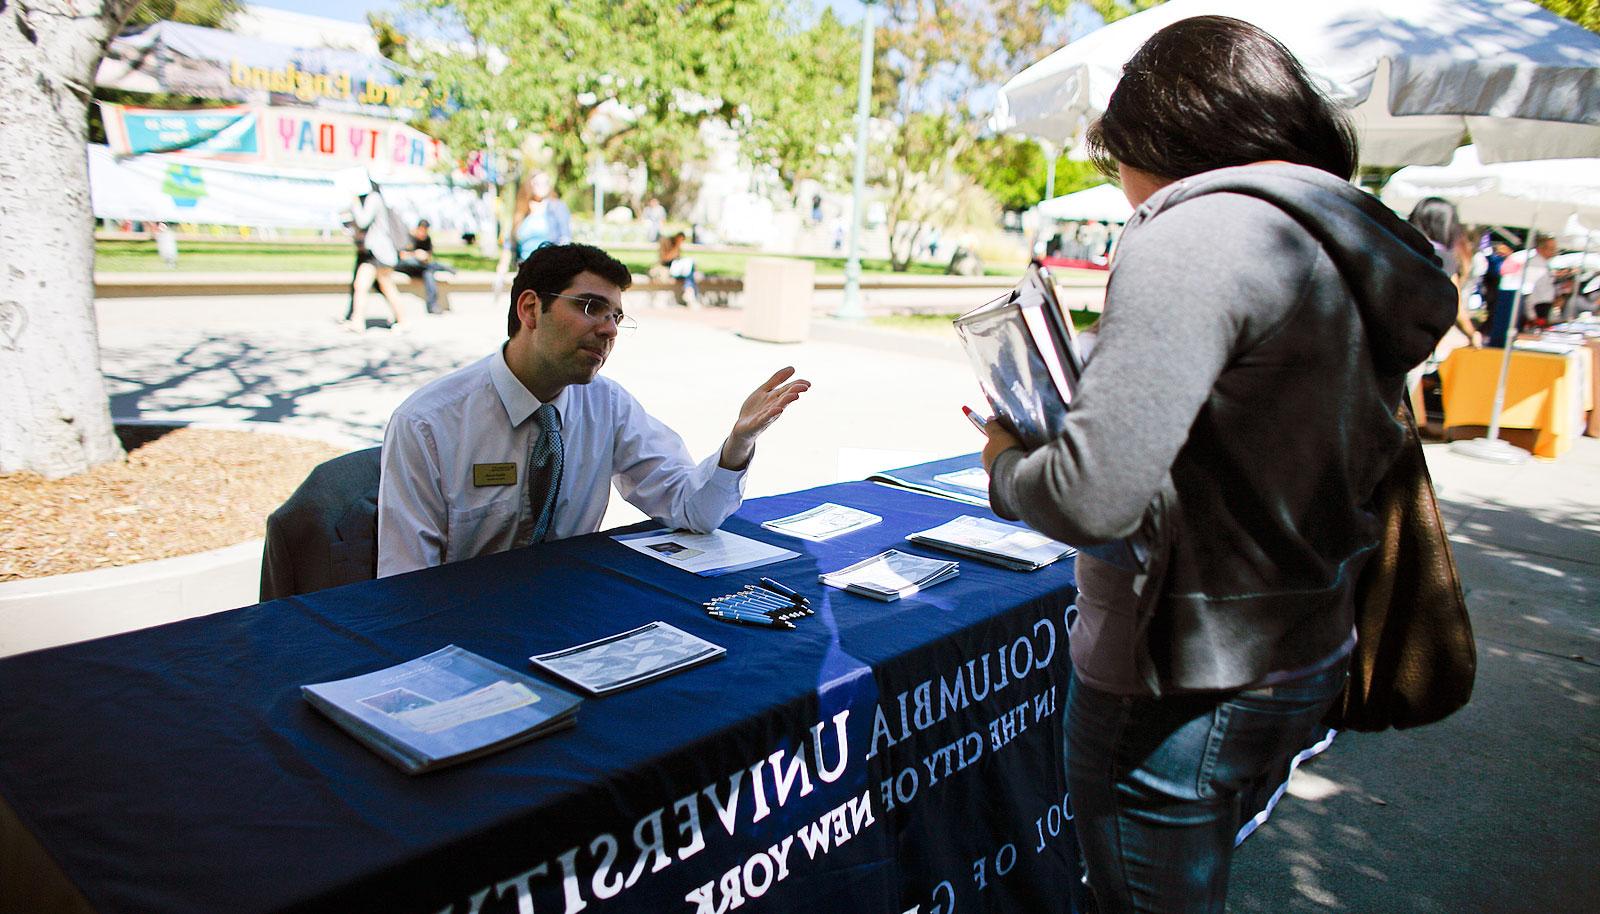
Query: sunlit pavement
{"x":1490,"y":811}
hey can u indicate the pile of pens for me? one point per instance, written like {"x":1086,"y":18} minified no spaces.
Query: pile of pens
{"x":766,"y":603}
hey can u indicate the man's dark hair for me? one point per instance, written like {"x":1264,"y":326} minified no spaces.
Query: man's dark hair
{"x":1210,"y":92}
{"x":422,"y":223}
{"x":551,"y":268}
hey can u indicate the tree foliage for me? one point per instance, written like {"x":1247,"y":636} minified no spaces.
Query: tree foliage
{"x":1015,"y":171}
{"x":631,"y":82}
{"x":939,"y":58}
{"x":1112,"y":10}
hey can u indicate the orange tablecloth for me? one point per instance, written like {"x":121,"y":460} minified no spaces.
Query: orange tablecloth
{"x":1545,"y":392}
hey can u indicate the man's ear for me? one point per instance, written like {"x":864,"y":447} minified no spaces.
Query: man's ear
{"x":528,"y":310}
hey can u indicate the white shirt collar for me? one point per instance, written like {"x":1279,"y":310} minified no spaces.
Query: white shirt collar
{"x":519,"y":403}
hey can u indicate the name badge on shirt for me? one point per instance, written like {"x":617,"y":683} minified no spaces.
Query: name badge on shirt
{"x":494,"y":474}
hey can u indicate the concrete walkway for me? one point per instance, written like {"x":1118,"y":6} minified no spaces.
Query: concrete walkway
{"x":1491,"y":811}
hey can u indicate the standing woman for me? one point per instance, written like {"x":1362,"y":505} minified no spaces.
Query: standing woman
{"x":1235,"y":416}
{"x":380,"y":251}
{"x":1437,"y":220}
{"x":538,"y":218}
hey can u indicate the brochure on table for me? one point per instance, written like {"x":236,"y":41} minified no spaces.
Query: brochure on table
{"x":824,"y":522}
{"x":443,"y":708}
{"x":990,"y":541}
{"x":628,"y":658}
{"x":705,"y":554}
{"x":891,"y":575}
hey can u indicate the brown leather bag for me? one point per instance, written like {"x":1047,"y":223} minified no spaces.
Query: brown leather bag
{"x":1414,"y":659}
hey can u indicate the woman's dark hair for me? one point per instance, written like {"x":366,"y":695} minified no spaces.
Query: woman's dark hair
{"x":1437,"y":219}
{"x":552,"y":267}
{"x":1210,"y":92}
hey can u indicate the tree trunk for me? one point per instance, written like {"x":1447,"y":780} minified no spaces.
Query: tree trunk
{"x":54,"y":415}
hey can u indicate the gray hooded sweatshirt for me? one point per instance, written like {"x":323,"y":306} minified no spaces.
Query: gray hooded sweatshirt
{"x":1235,"y":417}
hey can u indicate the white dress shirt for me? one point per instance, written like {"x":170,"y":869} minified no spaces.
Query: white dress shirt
{"x":431,"y":512}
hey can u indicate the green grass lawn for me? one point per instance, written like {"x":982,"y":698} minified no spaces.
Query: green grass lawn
{"x":301,"y":257}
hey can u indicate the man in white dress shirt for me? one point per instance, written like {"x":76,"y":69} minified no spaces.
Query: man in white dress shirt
{"x":524,"y":444}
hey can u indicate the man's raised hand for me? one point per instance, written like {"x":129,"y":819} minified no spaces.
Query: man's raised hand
{"x":763,"y":407}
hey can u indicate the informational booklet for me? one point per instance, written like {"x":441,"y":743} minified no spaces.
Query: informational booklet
{"x":823,"y":522}
{"x":935,"y":478}
{"x":1024,"y":351}
{"x":446,"y":707}
{"x":973,"y":479}
{"x":990,"y":541}
{"x":891,"y":575}
{"x":628,"y":658}
{"x":705,"y":554}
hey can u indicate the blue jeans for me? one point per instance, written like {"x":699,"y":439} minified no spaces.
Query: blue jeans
{"x":423,"y":271}
{"x":1159,"y":786}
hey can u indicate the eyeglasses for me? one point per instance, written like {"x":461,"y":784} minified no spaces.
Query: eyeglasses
{"x":599,"y":310}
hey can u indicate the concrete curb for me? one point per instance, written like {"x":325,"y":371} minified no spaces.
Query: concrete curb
{"x":64,"y":608}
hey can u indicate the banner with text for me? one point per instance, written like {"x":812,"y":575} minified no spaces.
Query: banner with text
{"x":179,"y":59}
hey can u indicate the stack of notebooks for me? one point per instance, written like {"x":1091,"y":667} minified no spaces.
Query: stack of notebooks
{"x":446,"y":707}
{"x":991,"y":541}
{"x":891,"y":575}
{"x":1025,"y":353}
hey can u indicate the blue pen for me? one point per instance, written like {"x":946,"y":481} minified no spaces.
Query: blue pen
{"x":748,"y":617}
{"x":784,"y":611}
{"x":761,"y":596}
{"x":777,"y":588}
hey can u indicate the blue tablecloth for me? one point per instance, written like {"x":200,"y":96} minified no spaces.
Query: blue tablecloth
{"x":881,"y":757}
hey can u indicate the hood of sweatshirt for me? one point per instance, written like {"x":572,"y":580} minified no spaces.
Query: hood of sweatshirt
{"x":1406,"y":301}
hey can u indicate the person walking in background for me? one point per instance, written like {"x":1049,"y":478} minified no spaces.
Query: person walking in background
{"x":1232,"y":423}
{"x":166,"y":245}
{"x":418,"y":263}
{"x":538,"y":217}
{"x":655,"y":216}
{"x":380,"y":232}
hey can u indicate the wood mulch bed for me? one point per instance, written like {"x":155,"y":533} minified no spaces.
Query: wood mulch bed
{"x":181,"y":491}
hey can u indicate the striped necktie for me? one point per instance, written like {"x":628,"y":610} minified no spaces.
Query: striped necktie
{"x":544,"y":472}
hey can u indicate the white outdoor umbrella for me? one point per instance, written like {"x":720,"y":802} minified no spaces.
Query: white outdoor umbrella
{"x":1101,"y":203}
{"x":1418,"y":75}
{"x":1543,"y":194}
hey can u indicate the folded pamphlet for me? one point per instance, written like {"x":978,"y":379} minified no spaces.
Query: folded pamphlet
{"x":629,"y":658}
{"x":444,"y":708}
{"x":990,"y":541}
{"x":823,"y":522}
{"x":891,"y":575}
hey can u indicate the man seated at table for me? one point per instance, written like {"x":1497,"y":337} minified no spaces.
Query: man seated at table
{"x":522,"y":445}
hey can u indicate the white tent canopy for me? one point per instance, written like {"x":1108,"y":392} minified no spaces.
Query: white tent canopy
{"x":1541,"y":194}
{"x":1101,"y":203}
{"x":1418,"y":75}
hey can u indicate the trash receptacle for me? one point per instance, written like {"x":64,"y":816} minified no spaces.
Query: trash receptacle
{"x":777,"y":299}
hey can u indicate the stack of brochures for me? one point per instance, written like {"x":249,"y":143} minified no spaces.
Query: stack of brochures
{"x":628,"y":659}
{"x":991,"y":541}
{"x":446,"y":707}
{"x":823,"y":522}
{"x":1024,"y":351}
{"x":891,"y":575}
